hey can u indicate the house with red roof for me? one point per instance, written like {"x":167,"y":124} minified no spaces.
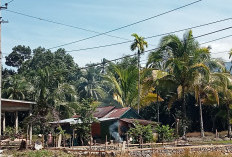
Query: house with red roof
{"x":113,"y":123}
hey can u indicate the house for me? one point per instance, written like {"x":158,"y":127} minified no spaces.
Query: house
{"x":113,"y":123}
{"x":13,"y":112}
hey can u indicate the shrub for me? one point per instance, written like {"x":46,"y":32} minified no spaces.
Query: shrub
{"x":165,"y":133}
{"x":9,"y":132}
{"x":141,"y":132}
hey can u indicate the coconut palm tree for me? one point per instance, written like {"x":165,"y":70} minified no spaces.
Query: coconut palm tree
{"x":123,"y":81}
{"x":16,"y":87}
{"x":224,"y":84}
{"x":230,"y":54}
{"x":204,"y":86}
{"x":206,"y":92}
{"x":139,"y":44}
{"x":91,"y":84}
{"x":183,"y":63}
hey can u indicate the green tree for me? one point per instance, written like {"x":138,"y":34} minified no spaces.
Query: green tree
{"x":141,"y":133}
{"x":18,"y":55}
{"x":85,"y":110}
{"x":139,"y":44}
{"x":16,"y":87}
{"x":165,"y":133}
{"x":124,"y":82}
{"x":224,"y":85}
{"x":91,"y":84}
{"x":182,"y":65}
{"x":206,"y":92}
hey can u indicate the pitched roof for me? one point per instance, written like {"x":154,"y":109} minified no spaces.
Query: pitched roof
{"x":140,"y":121}
{"x":100,"y":112}
{"x":67,"y":121}
{"x":117,"y":113}
{"x":18,"y":101}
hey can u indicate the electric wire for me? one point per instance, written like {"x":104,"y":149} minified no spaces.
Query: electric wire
{"x":107,"y":61}
{"x":216,"y":39}
{"x":122,"y":27}
{"x":62,"y":24}
{"x":220,"y":52}
{"x":154,"y":36}
{"x":9,"y":2}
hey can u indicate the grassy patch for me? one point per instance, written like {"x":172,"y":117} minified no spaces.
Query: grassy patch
{"x":41,"y":153}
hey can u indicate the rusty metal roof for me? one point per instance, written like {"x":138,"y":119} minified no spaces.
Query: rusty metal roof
{"x":102,"y":111}
{"x":99,"y":112}
{"x":140,"y":121}
{"x":117,"y":113}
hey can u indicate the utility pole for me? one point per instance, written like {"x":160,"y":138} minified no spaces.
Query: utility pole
{"x":1,"y":21}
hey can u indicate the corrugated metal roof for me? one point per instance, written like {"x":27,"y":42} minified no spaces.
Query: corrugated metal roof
{"x":99,"y":112}
{"x":102,"y":111}
{"x":105,"y":119}
{"x":67,"y":121}
{"x":140,"y":121}
{"x":117,"y":113}
{"x":18,"y":101}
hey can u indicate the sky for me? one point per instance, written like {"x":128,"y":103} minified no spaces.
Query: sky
{"x":105,"y":15}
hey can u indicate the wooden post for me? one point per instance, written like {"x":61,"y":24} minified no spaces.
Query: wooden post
{"x":4,"y":122}
{"x":30,"y":134}
{"x":90,"y":135}
{"x":127,"y":140}
{"x":16,"y":122}
{"x":27,"y":137}
{"x":59,"y":140}
{"x":43,"y":141}
{"x":106,"y":144}
{"x":73,"y":137}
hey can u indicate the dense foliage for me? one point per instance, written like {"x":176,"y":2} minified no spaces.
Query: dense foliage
{"x":181,"y":81}
{"x":140,"y":133}
{"x":165,"y":133}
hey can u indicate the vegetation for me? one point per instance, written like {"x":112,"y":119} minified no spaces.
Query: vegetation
{"x":141,"y":134}
{"x":165,"y":133}
{"x":42,"y":153}
{"x":85,"y":111}
{"x":180,"y":83}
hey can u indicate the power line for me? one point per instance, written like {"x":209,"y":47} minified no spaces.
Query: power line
{"x":9,"y":2}
{"x":219,"y":52}
{"x":62,"y":24}
{"x":113,"y":30}
{"x":216,"y":39}
{"x":154,"y":36}
{"x":213,"y":32}
{"x":107,"y":61}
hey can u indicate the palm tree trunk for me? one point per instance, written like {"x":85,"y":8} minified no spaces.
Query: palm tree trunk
{"x":228,"y":120}
{"x":158,"y":118}
{"x":184,"y":113}
{"x":138,"y":80}
{"x":201,"y":117}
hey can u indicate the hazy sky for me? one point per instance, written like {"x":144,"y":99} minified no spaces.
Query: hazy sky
{"x":105,"y":15}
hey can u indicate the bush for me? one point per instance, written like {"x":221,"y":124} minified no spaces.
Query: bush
{"x":165,"y":133}
{"x":9,"y":132}
{"x":140,"y":131}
